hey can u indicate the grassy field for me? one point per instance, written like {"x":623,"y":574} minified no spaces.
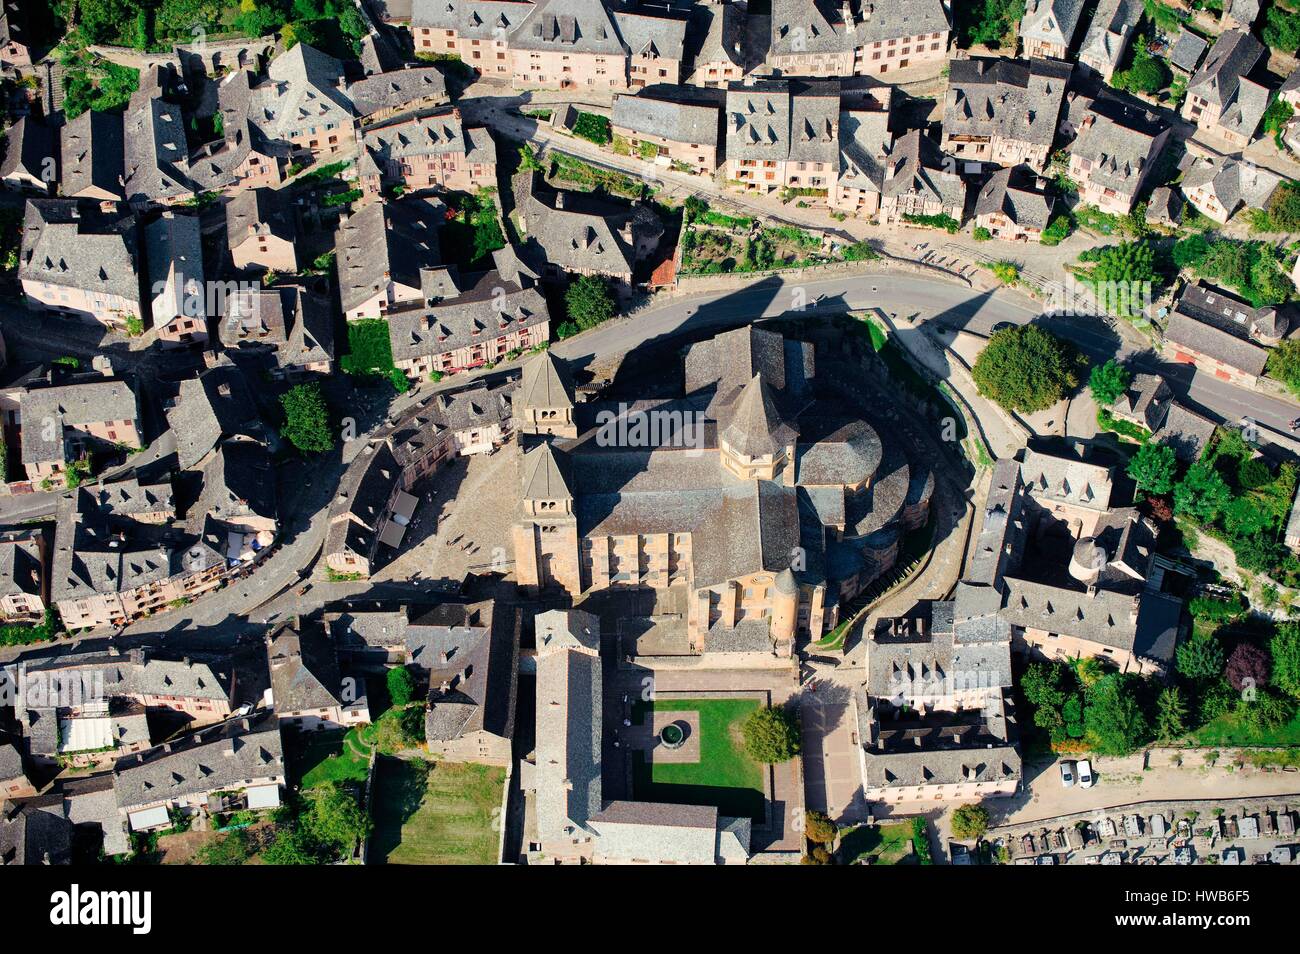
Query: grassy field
{"x":435,"y":813}
{"x":1228,"y":731}
{"x":724,"y":776}
{"x":332,"y":755}
{"x":878,"y":845}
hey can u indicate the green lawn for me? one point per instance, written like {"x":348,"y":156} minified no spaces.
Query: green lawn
{"x":724,"y":776}
{"x":1228,"y":731}
{"x":435,"y":813}
{"x":878,"y":845}
{"x":328,"y":756}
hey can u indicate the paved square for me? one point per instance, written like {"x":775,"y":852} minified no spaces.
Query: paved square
{"x":832,"y":783}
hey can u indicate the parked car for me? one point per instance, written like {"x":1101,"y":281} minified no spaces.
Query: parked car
{"x":1067,"y":774}
{"x":1085,"y":774}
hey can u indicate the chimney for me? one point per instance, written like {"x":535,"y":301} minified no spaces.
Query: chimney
{"x":559,"y":200}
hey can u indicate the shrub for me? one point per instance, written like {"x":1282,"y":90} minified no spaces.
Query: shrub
{"x":306,"y":419}
{"x":401,"y":685}
{"x":1057,"y":231}
{"x":982,"y":234}
{"x":771,"y":734}
{"x":593,"y":128}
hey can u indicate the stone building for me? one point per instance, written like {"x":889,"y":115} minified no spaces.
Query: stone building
{"x":756,"y":495}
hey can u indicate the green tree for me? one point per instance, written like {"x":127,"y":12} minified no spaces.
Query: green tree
{"x":1266,"y":711}
{"x":1285,"y":647}
{"x":1154,"y":468}
{"x":1057,"y":231}
{"x":921,"y":841}
{"x":290,"y":847}
{"x":1202,"y":494}
{"x":1200,"y":658}
{"x":589,"y":301}
{"x":1146,"y":74}
{"x":401,"y":685}
{"x":1191,"y":251}
{"x":1115,"y":722}
{"x":229,"y":849}
{"x":333,"y":816}
{"x":1171,"y":714}
{"x":1281,"y":29}
{"x":1284,"y":364}
{"x":771,"y":734}
{"x":819,"y":828}
{"x":1108,"y":381}
{"x":1026,"y":369}
{"x":970,"y":821}
{"x":306,"y":419}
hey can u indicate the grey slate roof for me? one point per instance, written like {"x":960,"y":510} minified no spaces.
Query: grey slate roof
{"x":1108,"y":35}
{"x":1054,"y":21}
{"x":21,"y":566}
{"x":1119,"y":148}
{"x":815,"y":26}
{"x":238,"y":485}
{"x":1014,"y":193}
{"x":658,"y":832}
{"x":381,"y":91}
{"x":569,"y":26}
{"x":576,"y":231}
{"x":662,"y":112}
{"x":435,"y":134}
{"x":1006,"y":98}
{"x":473,"y":673}
{"x":35,"y":833}
{"x":386,"y":241}
{"x":1067,"y":480}
{"x":1233,"y":55}
{"x":174,"y":262}
{"x":568,"y":756}
{"x":1215,"y":323}
{"x":915,"y":166}
{"x":544,"y":383}
{"x":252,"y":212}
{"x":92,"y":157}
{"x":223,"y":757}
{"x":715,"y":34}
{"x":1187,"y":51}
{"x":29,"y":150}
{"x":783,"y":119}
{"x":64,"y":247}
{"x":295,"y":322}
{"x":647,"y":33}
{"x":304,"y":669}
{"x":218,"y":403}
{"x":1187,"y":432}
{"x":155,"y":157}
{"x":488,"y":309}
{"x":69,"y":408}
{"x":472,"y":19}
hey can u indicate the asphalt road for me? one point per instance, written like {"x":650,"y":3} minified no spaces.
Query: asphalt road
{"x":948,"y":306}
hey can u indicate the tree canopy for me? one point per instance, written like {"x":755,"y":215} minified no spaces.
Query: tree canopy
{"x":589,"y":302}
{"x":771,"y":734}
{"x":970,"y":821}
{"x":1026,"y":369}
{"x":1154,"y":468}
{"x":306,"y":419}
{"x":1108,"y":381}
